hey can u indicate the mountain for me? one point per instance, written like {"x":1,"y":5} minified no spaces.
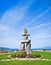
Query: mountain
{"x":47,"y":48}
{"x":8,"y":49}
{"x":15,"y":49}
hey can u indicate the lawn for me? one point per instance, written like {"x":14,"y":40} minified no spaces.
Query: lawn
{"x":44,"y":55}
{"x":35,"y":62}
{"x":5,"y":56}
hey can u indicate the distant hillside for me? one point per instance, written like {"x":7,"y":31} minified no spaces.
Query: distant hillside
{"x":15,"y":49}
{"x":47,"y":48}
{"x":8,"y":49}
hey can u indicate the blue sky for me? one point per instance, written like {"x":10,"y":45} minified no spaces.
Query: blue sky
{"x":15,"y":15}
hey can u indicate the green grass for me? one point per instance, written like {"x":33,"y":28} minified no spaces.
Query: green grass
{"x":27,"y":62}
{"x":35,"y":62}
{"x":44,"y":54}
{"x":5,"y":56}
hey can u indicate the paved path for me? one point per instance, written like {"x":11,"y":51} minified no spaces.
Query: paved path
{"x":25,"y":59}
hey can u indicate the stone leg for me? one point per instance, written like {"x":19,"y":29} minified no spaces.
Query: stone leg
{"x":28,"y":48}
{"x":22,"y":46}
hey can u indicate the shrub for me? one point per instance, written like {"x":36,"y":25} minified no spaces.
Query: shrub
{"x":13,"y":55}
{"x":21,"y":54}
{"x":35,"y":55}
{"x":44,"y":49}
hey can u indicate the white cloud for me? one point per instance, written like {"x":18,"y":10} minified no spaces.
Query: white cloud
{"x":35,"y":19}
{"x":9,"y":37}
{"x":14,"y":17}
{"x":3,"y":28}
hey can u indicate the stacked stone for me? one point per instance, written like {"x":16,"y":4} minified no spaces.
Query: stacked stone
{"x":25,"y":41}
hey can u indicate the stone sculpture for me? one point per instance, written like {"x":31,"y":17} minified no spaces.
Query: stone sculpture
{"x":25,"y":43}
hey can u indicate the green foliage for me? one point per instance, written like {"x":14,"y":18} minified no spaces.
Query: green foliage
{"x":21,"y":54}
{"x":13,"y":55}
{"x":35,"y":55}
{"x":44,"y":49}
